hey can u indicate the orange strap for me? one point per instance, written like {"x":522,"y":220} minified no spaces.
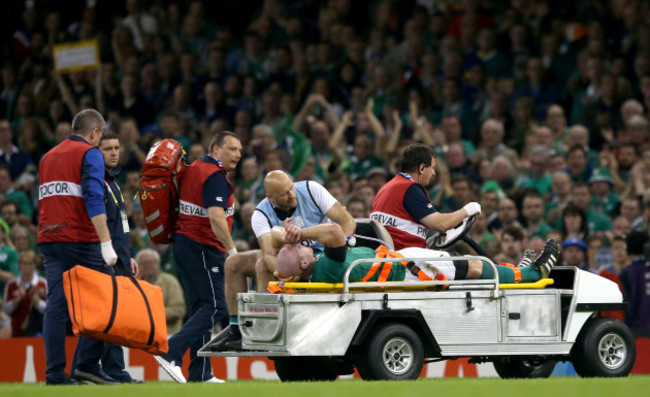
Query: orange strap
{"x":382,"y":252}
{"x":277,"y":288}
{"x":515,"y":269}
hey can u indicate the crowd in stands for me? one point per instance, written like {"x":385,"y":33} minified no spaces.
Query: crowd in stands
{"x":538,"y":109}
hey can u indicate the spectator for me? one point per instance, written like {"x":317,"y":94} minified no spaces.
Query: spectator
{"x":22,"y":239}
{"x":173,"y":298}
{"x":561,"y":186}
{"x":604,"y":200}
{"x":574,"y":252}
{"x":507,"y":216}
{"x":533,"y":212}
{"x":8,"y":192}
{"x":619,"y":254}
{"x":25,"y":298}
{"x":480,"y":232}
{"x":8,"y":257}
{"x":538,"y":179}
{"x":635,"y":278}
{"x":596,"y":221}
{"x":621,"y":226}
{"x":512,"y":244}
{"x":491,"y":146}
{"x":631,"y":210}
{"x":574,"y":223}
{"x":16,"y":159}
{"x":358,"y":208}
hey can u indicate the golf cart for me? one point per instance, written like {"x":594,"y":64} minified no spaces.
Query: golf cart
{"x":389,"y":330}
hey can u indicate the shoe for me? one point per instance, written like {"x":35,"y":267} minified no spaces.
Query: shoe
{"x":95,"y":378}
{"x":124,"y":377}
{"x":214,"y":379}
{"x":65,"y":382}
{"x":230,"y":336}
{"x":548,"y":258}
{"x":234,"y":344}
{"x":172,"y":369}
{"x":528,"y":259}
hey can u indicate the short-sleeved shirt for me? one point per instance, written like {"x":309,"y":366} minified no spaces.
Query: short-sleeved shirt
{"x":216,"y":190}
{"x":322,"y":198}
{"x":416,"y":202}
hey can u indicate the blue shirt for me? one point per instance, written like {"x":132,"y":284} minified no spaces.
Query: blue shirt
{"x":416,"y":202}
{"x":92,"y":179}
{"x":215,"y":187}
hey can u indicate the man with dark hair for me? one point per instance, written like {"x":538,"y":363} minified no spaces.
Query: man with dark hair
{"x":118,"y":225}
{"x":404,"y":207}
{"x":635,"y":278}
{"x":202,"y":237}
{"x":72,"y":230}
{"x":512,"y":243}
{"x":532,"y":209}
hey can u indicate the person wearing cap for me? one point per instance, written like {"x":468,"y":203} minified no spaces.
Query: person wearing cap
{"x":604,"y":199}
{"x":574,"y":253}
{"x":404,"y":207}
{"x":634,"y":278}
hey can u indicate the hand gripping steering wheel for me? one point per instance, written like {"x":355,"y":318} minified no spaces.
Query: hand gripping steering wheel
{"x":442,"y":240}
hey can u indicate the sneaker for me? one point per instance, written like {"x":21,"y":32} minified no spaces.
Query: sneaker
{"x":172,"y":369}
{"x":95,"y":377}
{"x":548,"y":258}
{"x":222,"y":344}
{"x":214,"y":379}
{"x":528,"y":259}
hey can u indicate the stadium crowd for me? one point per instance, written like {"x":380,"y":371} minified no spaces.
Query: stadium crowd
{"x":537,"y":109}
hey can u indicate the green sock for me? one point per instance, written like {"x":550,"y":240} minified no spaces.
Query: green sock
{"x":233,"y":320}
{"x":506,"y":274}
{"x":530,"y":274}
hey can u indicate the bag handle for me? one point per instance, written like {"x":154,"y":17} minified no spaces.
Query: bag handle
{"x":128,"y":273}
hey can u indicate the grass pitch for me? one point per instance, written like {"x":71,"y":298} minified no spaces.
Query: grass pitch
{"x":456,"y":387}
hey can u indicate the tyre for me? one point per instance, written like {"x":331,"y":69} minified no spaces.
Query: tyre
{"x":296,"y":369}
{"x":393,"y":352}
{"x":524,"y":367}
{"x":605,"y":347}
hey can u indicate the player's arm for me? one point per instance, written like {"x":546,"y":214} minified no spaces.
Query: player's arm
{"x":332,"y":208}
{"x":329,"y":234}
{"x":338,"y":214}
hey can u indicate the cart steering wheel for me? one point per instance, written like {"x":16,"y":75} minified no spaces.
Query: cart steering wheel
{"x":442,"y":240}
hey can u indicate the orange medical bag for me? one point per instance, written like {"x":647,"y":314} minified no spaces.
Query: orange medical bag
{"x":116,"y":309}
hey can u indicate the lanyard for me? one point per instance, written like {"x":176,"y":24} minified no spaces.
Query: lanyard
{"x":113,"y":194}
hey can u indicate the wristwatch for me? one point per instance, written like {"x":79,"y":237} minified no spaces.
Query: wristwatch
{"x":350,"y":241}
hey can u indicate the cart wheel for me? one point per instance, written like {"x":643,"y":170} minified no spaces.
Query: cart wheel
{"x":393,"y":352}
{"x":523,"y":367}
{"x":605,"y":347}
{"x":296,"y":369}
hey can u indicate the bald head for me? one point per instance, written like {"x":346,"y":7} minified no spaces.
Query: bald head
{"x":280,"y":190}
{"x":295,"y":260}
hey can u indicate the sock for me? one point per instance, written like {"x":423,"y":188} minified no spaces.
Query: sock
{"x":529,"y":274}
{"x":506,"y":274}
{"x":234,"y":324}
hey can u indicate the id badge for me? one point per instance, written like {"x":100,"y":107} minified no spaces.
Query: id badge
{"x":125,"y":222}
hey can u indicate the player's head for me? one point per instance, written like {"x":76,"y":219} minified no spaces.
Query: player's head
{"x":295,"y":260}
{"x":280,"y":190}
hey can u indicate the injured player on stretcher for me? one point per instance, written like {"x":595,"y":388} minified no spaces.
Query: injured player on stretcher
{"x":296,"y":262}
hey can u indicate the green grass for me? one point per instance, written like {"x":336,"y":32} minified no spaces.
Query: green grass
{"x":456,"y":387}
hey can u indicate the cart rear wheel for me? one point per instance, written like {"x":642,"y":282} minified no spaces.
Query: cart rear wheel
{"x":524,"y":367}
{"x":393,"y":352}
{"x":295,"y":369}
